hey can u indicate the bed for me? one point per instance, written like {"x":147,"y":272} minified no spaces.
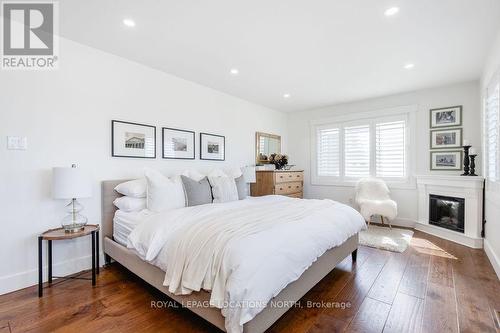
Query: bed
{"x":156,"y":276}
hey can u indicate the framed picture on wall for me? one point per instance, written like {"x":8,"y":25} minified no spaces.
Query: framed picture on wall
{"x":177,"y":144}
{"x":132,"y":140}
{"x":446,"y":117}
{"x":212,"y":147}
{"x":446,"y":138}
{"x":446,"y":160}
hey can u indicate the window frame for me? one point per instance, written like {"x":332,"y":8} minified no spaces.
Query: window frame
{"x":491,"y":185}
{"x":372,"y":118}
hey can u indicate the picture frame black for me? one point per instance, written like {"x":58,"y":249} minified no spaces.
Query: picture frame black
{"x":456,"y":108}
{"x":163,"y":129}
{"x":203,"y":154}
{"x":113,"y":141}
{"x":449,"y":147}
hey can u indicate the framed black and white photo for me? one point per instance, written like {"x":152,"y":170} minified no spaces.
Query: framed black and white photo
{"x":446,"y":160}
{"x":178,"y":144}
{"x":132,"y":140}
{"x":446,"y":138}
{"x":212,"y":147}
{"x":446,"y":117}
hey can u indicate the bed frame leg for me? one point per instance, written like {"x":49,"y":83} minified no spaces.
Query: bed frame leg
{"x":354,"y":255}
{"x":107,"y":259}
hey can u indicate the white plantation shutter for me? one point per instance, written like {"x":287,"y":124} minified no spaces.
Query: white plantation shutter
{"x":328,"y":151}
{"x":357,"y":151}
{"x":390,"y":149}
{"x":491,"y":129}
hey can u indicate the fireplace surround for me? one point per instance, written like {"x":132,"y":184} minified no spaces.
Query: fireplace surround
{"x":456,"y":190}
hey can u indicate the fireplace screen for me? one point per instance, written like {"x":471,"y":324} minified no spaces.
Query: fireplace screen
{"x":446,"y":212}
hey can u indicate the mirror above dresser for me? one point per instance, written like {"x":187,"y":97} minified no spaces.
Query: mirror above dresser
{"x":265,"y":145}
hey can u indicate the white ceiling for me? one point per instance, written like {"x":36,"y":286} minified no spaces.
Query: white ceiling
{"x":320,"y":51}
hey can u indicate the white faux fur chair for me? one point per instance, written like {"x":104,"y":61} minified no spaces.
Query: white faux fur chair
{"x":372,"y":197}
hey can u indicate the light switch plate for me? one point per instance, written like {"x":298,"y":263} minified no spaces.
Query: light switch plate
{"x":17,"y":143}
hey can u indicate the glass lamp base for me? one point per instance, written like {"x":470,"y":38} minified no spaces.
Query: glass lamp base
{"x":74,"y":221}
{"x":73,"y":228}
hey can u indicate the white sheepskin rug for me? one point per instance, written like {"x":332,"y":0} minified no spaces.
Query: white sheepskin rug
{"x":395,"y":240}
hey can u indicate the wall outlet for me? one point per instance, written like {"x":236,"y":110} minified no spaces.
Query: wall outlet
{"x":17,"y":143}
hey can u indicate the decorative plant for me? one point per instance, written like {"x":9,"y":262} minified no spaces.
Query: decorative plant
{"x":278,"y":160}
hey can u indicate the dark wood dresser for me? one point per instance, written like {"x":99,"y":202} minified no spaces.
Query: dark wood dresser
{"x":283,"y":182}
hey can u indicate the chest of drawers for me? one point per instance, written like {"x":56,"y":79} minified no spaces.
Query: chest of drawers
{"x":289,"y":183}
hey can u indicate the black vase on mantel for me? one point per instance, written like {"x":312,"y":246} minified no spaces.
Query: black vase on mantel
{"x":466,"y":160}
{"x":472,"y":165}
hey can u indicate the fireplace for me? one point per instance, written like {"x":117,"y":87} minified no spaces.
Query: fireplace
{"x":447,"y":212}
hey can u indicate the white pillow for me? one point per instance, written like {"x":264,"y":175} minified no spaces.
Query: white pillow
{"x":193,"y":174}
{"x":223,"y":189}
{"x":217,"y":173}
{"x":133,"y":188}
{"x":163,"y":193}
{"x":234,"y":172}
{"x":130,"y":204}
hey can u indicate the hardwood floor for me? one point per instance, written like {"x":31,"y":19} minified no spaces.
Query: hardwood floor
{"x":435,"y":286}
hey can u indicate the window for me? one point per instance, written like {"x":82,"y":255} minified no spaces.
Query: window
{"x":491,"y":129}
{"x":390,"y":151}
{"x":347,"y":149}
{"x":328,"y":152}
{"x":357,"y":151}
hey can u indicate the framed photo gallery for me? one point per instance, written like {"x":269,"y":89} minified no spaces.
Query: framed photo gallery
{"x":135,"y":140}
{"x":446,"y":138}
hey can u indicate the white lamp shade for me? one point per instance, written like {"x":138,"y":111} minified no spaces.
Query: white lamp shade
{"x":249,"y":174}
{"x":69,"y":183}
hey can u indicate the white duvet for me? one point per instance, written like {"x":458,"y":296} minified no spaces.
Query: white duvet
{"x":245,"y":252}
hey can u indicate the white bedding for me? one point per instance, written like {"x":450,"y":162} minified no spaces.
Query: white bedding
{"x":244,"y":251}
{"x":125,"y":222}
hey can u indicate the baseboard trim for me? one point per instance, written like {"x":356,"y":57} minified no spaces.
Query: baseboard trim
{"x":21,"y":280}
{"x":495,"y":261}
{"x":476,"y":243}
{"x":397,"y":222}
{"x":404,"y":222}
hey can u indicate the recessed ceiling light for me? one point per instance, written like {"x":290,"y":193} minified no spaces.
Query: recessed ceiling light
{"x":287,"y":95}
{"x":234,"y":71}
{"x":409,"y":66}
{"x":391,"y":11}
{"x":129,"y":22}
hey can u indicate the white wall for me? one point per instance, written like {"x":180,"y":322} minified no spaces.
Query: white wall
{"x":492,"y":207}
{"x":66,"y":115}
{"x":466,"y":94}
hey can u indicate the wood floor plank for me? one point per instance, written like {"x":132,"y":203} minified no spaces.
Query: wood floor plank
{"x":440,"y":309}
{"x":414,"y":280}
{"x":370,"y":318}
{"x":405,"y":315}
{"x":488,"y":280}
{"x":472,"y":304}
{"x":356,"y":289}
{"x":386,"y":286}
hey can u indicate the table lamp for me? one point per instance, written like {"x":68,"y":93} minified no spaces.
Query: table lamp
{"x":71,"y":183}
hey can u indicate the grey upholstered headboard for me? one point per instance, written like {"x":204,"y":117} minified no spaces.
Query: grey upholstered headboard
{"x":108,"y":195}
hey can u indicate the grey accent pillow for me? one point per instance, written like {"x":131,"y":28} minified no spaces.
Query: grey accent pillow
{"x":241,"y":186}
{"x":197,"y":192}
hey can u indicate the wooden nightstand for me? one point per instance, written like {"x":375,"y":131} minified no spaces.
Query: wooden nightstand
{"x":60,"y":234}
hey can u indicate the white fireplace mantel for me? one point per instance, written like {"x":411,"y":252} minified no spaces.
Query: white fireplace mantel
{"x":466,"y":187}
